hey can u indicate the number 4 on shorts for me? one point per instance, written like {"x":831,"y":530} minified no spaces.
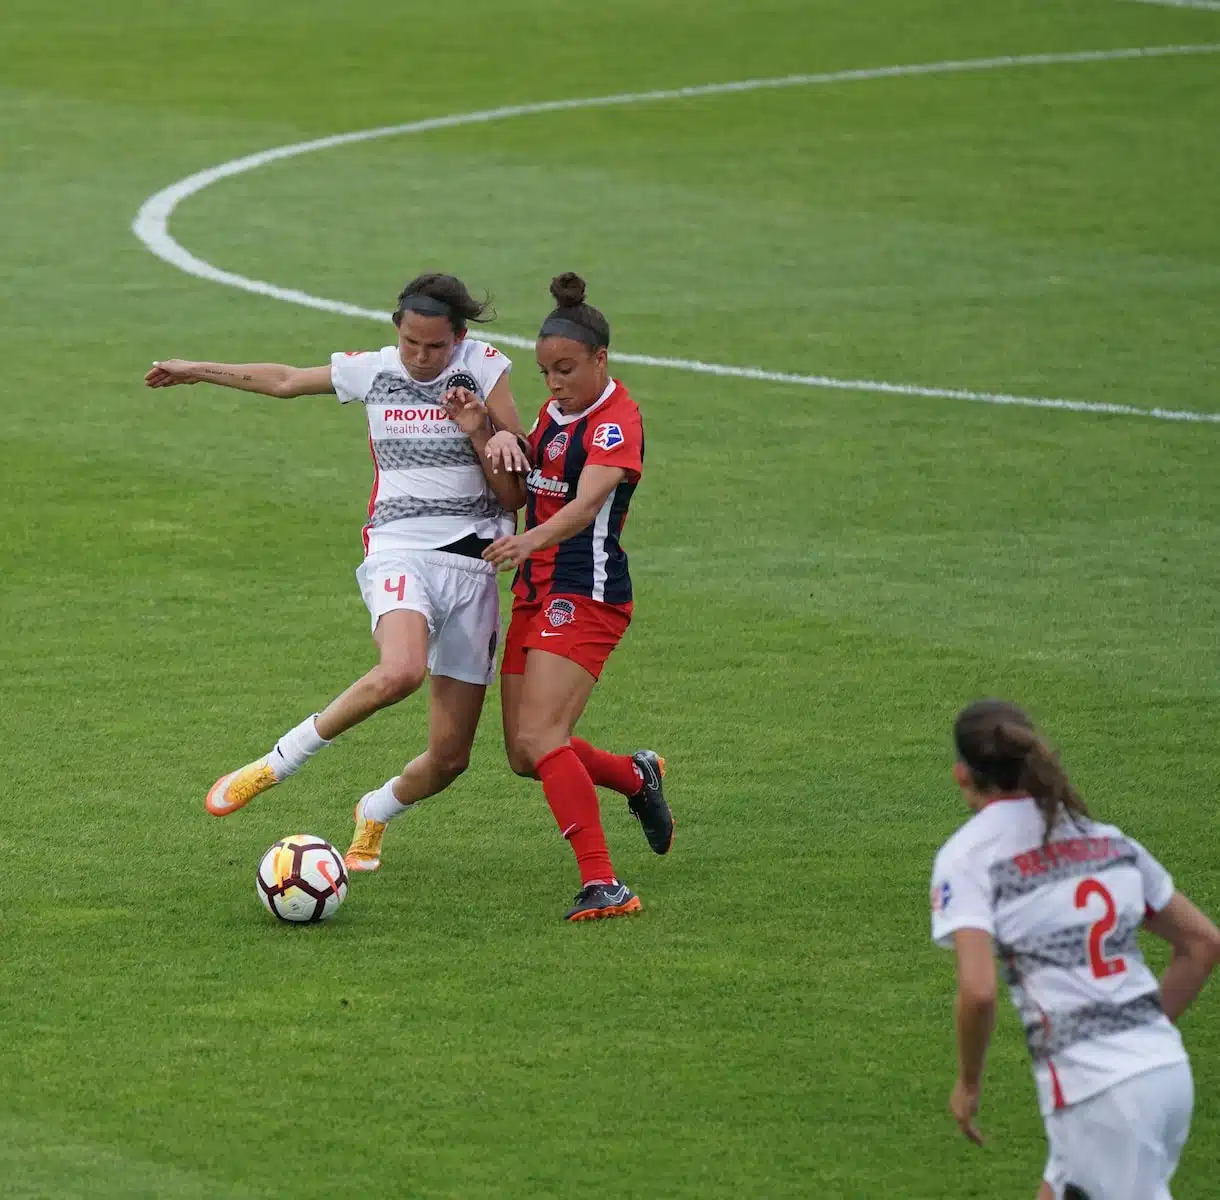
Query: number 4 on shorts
{"x":399,"y":589}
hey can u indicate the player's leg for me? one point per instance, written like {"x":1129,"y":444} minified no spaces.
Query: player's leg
{"x":637,"y":776}
{"x":401,"y":636}
{"x":588,"y":634}
{"x":554,"y":693}
{"x":453,"y":718}
{"x":465,"y":607}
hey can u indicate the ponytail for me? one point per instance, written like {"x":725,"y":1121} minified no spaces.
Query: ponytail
{"x":1004,"y":752}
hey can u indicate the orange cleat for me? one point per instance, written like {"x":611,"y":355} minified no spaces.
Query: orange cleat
{"x":364,"y":854}
{"x":234,"y":791}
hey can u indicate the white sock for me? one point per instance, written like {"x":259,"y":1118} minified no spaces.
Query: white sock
{"x":381,"y":805}
{"x":295,"y":749}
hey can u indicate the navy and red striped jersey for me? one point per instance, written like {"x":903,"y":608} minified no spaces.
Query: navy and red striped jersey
{"x":590,"y":563}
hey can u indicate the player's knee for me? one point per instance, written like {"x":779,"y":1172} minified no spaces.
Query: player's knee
{"x":533,"y":744}
{"x":396,"y":681}
{"x":520,"y":762}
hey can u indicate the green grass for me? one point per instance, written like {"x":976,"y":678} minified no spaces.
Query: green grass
{"x":823,"y":578}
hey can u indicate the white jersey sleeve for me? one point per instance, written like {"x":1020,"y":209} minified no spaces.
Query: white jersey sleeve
{"x":961,"y":894}
{"x":352,"y":373}
{"x":1158,"y":883}
{"x":484,"y":362}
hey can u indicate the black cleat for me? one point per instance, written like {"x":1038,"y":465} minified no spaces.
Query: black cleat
{"x":599,"y":900}
{"x":648,"y":804}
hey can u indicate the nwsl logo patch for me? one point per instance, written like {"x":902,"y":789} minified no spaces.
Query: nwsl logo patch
{"x":556,"y":446}
{"x":561,"y":612}
{"x":607,"y":436}
{"x":942,"y":893}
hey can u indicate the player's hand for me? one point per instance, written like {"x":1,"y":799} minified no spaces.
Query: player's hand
{"x":466,"y":409}
{"x":170,"y":372}
{"x":504,"y":453}
{"x":510,"y":551}
{"x":963,"y":1104}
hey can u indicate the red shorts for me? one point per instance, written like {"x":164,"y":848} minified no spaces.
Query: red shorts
{"x":574,"y":627}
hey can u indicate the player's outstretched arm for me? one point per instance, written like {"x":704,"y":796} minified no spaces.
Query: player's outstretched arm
{"x":266,"y":379}
{"x":1196,"y":952}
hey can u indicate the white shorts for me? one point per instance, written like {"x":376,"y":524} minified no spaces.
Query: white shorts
{"x":1125,"y":1142}
{"x":457,"y":596}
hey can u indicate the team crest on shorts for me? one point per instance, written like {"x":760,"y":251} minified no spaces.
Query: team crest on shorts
{"x":556,"y":446}
{"x":607,"y":436}
{"x":561,"y":612}
{"x":461,"y":379}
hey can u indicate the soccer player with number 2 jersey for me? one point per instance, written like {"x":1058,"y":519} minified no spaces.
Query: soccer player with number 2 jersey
{"x":573,"y":598}
{"x":1058,"y":898}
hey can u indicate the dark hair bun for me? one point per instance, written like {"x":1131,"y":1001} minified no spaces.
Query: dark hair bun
{"x":568,"y":290}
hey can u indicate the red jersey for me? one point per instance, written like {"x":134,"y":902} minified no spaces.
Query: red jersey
{"x":590,"y":563}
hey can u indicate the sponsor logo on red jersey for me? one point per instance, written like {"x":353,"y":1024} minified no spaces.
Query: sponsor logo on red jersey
{"x":536,"y":481}
{"x":561,"y":612}
{"x":556,"y":446}
{"x":607,"y":436}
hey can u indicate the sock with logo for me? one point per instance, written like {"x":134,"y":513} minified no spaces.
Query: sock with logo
{"x":615,"y":771}
{"x":569,"y":792}
{"x":295,"y":749}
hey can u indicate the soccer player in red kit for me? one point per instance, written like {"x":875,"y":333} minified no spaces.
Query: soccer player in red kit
{"x":573,"y":596}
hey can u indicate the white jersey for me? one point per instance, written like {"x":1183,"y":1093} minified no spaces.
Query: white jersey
{"x":428,"y":487}
{"x":1064,"y":918}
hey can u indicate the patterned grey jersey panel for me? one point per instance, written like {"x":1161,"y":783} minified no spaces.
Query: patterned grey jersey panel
{"x":401,"y":389}
{"x":400,"y":508}
{"x":1062,"y":1030}
{"x":397,"y":454}
{"x":1065,"y":948}
{"x":1009,"y":882}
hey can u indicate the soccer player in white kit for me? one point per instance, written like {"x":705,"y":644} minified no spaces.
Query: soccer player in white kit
{"x":1057,"y":898}
{"x":436,"y":505}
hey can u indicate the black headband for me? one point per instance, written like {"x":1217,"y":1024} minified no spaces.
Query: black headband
{"x":427,"y":306}
{"x":562,"y":327}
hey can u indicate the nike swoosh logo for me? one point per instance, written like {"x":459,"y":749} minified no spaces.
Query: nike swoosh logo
{"x":545,"y":634}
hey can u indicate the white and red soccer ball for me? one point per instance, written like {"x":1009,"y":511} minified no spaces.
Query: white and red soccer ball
{"x":302,"y":879}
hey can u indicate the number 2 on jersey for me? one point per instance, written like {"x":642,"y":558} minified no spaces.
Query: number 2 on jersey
{"x":1102,"y":967}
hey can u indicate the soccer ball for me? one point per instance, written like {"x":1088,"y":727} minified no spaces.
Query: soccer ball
{"x":302,"y":878}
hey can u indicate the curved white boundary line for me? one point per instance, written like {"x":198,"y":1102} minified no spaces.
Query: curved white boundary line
{"x":151,"y":224}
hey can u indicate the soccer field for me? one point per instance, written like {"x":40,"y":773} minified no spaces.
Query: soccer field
{"x":831,"y":556}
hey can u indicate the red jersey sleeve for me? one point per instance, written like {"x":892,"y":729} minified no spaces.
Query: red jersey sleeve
{"x":616,"y":439}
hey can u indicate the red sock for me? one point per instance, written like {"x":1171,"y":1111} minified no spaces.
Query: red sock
{"x":569,"y":792}
{"x":615,"y":771}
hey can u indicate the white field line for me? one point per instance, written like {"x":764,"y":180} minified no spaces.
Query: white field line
{"x":151,"y":224}
{"x":1212,"y":5}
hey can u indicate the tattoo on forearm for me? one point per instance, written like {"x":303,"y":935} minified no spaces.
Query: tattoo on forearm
{"x":220,"y":373}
